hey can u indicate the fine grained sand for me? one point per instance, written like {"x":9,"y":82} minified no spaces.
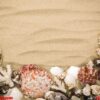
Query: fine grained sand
{"x":49,"y":32}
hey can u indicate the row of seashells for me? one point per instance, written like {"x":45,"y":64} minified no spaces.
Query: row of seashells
{"x":33,"y":82}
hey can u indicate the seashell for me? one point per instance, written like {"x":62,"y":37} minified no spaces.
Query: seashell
{"x":95,"y":89}
{"x":58,"y":84}
{"x":73,"y":71}
{"x":51,"y":95}
{"x":16,"y":78}
{"x":15,"y":93}
{"x":4,"y":89}
{"x":96,"y":62}
{"x":56,"y":71}
{"x":88,"y":75}
{"x":87,"y":90}
{"x":35,"y":81}
{"x":89,"y":98}
{"x":6,"y":75}
{"x":61,"y":96}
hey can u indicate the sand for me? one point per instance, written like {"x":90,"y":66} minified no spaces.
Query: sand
{"x":49,"y":32}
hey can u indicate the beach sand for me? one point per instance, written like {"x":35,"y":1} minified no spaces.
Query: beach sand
{"x":49,"y":32}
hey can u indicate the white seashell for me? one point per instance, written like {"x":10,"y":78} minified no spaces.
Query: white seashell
{"x":6,"y":78}
{"x":73,"y":71}
{"x":56,"y":71}
{"x":87,"y":90}
{"x":15,"y":93}
{"x":70,"y":81}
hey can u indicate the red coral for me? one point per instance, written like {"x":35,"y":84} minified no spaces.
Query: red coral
{"x":87,"y":75}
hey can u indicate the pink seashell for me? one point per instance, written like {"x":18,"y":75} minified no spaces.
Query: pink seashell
{"x":87,"y":75}
{"x":35,"y":81}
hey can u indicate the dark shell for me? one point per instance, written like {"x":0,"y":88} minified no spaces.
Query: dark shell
{"x":4,"y":89}
{"x":60,"y":96}
{"x":99,"y":74}
{"x":96,"y":62}
{"x":88,"y":98}
{"x":16,"y":78}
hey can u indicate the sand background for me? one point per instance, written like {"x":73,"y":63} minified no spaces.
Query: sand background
{"x":49,"y":32}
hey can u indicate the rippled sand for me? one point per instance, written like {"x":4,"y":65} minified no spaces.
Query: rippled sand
{"x":49,"y":32}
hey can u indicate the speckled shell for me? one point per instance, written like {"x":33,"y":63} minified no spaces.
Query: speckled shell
{"x":35,"y":81}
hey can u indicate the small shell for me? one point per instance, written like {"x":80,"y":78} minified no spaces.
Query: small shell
{"x":51,"y":95}
{"x":15,"y":93}
{"x":56,"y":71}
{"x":73,"y":71}
{"x":87,"y":90}
{"x":95,"y":89}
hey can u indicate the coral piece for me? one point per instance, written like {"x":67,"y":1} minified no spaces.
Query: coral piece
{"x":70,"y":81}
{"x":87,"y":90}
{"x":87,"y":75}
{"x":71,"y":77}
{"x":16,"y":78}
{"x":58,"y":78}
{"x":5,"y":76}
{"x":58,"y":85}
{"x":35,"y":81}
{"x":97,"y":98}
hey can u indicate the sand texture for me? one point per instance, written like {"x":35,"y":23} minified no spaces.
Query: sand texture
{"x":49,"y":32}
